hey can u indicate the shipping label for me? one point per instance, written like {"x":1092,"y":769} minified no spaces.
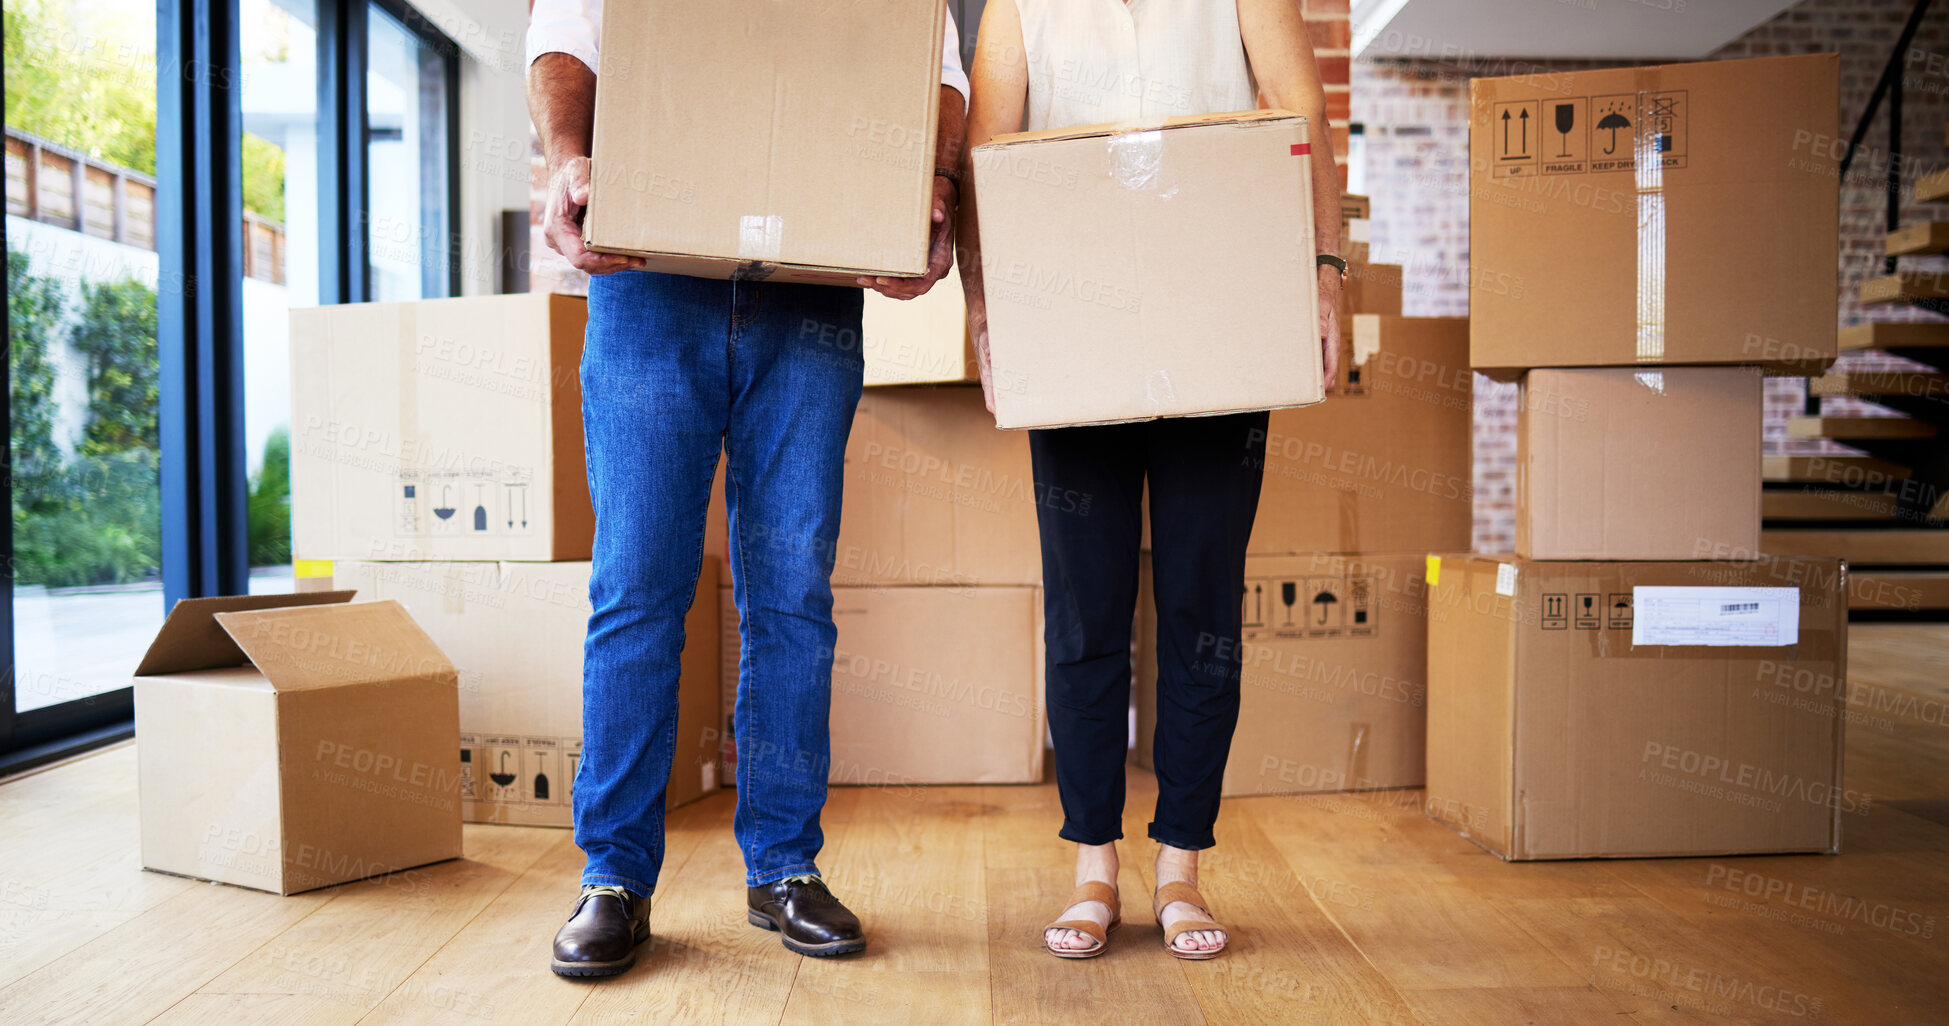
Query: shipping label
{"x":1716,"y":616}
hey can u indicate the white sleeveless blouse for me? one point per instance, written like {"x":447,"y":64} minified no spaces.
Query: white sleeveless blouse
{"x":1092,"y":61}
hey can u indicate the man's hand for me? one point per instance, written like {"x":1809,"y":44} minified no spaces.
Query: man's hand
{"x":1330,"y":324}
{"x":940,"y":251}
{"x":561,"y":224}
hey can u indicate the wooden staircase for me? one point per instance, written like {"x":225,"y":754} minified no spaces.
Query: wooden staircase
{"x":1884,"y":508}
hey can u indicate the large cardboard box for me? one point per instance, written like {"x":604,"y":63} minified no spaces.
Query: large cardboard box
{"x":929,"y":685}
{"x":515,"y":633}
{"x":921,"y":341}
{"x":1132,"y":274}
{"x":1615,"y":463}
{"x":443,"y":429}
{"x":1370,"y":289}
{"x":1384,"y":465}
{"x":1356,"y":213}
{"x":1679,"y":214}
{"x":936,"y":494}
{"x":1637,"y":709}
{"x":290,"y":742}
{"x":791,"y":142}
{"x":1333,"y":683}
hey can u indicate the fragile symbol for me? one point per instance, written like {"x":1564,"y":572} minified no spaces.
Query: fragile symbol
{"x":1566,"y":119}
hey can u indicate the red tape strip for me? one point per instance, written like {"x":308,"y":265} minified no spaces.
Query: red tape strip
{"x":1302,"y":149}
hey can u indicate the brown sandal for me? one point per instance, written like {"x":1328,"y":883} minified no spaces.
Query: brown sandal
{"x":1178,"y":890}
{"x":1089,"y":890}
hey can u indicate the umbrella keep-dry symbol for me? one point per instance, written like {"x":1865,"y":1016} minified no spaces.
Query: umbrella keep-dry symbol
{"x":1613,"y":121}
{"x":1325,"y":601}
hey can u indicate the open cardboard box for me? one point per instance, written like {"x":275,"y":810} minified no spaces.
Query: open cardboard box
{"x":290,"y":742}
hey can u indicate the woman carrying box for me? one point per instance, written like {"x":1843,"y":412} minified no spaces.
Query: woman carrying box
{"x":1042,"y":64}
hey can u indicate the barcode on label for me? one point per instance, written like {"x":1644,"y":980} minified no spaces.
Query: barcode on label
{"x":1739,"y":607}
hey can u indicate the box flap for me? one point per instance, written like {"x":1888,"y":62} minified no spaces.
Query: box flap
{"x":331,"y":646}
{"x":190,"y":638}
{"x":1118,"y":127}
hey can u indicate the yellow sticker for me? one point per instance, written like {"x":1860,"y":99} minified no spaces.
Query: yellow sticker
{"x":1434,"y":569}
{"x":311,"y":568}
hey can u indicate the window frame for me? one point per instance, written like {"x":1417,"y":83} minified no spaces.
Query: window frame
{"x":199,"y":342}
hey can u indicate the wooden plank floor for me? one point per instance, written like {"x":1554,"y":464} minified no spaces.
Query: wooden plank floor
{"x":1344,"y":909}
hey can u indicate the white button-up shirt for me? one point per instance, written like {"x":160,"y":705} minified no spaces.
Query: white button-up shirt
{"x":573,"y":26}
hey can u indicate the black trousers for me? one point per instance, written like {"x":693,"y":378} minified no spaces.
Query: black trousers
{"x":1204,"y":475}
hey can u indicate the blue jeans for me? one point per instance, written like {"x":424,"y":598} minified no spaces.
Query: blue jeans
{"x":673,"y":370}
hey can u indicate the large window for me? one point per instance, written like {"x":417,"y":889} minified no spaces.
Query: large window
{"x":279,"y":50}
{"x":82,"y":274}
{"x":409,"y":126}
{"x":159,"y":227}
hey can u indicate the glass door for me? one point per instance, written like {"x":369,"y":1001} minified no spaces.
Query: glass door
{"x":82,"y":370}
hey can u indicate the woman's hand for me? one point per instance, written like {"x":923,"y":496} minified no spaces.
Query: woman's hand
{"x":978,"y":330}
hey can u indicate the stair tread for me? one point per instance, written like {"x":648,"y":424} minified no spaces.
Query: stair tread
{"x":1827,"y":504}
{"x":1906,"y":287}
{"x":1896,"y":335}
{"x":1850,"y":470}
{"x":1918,"y":384}
{"x":1898,"y":589}
{"x":1845,"y":428}
{"x":1899,"y":545}
{"x":1932,"y":188}
{"x":1921,"y":237}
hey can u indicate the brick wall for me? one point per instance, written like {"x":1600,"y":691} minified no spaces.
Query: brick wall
{"x":1416,"y":118}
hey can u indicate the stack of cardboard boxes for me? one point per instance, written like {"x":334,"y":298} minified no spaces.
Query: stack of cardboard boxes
{"x":1639,"y":679}
{"x":436,"y":460}
{"x":1356,"y":491}
{"x":937,"y":670}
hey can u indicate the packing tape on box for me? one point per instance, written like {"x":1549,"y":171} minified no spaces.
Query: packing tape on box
{"x":1649,"y":170}
{"x":761,"y":237}
{"x":1356,"y":772}
{"x":407,"y":379}
{"x":1366,"y":338}
{"x":1137,"y":161}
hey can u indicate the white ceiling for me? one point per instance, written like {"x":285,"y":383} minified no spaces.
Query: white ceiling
{"x":1560,"y":29}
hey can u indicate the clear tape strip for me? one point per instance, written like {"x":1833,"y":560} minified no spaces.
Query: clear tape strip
{"x":1650,"y":172}
{"x":1137,"y":159}
{"x":761,"y":237}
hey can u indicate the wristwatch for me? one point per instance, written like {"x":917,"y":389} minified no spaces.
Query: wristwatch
{"x":952,"y":175}
{"x":1329,"y":260}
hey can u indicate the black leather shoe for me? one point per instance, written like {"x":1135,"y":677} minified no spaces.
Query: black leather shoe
{"x":602,"y":933}
{"x":806,"y":917}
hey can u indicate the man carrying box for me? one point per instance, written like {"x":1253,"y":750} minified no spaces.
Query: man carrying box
{"x":675,"y":368}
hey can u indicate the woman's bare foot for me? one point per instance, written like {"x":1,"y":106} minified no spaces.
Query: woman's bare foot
{"x":1093,"y":862}
{"x":1175,"y":864}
